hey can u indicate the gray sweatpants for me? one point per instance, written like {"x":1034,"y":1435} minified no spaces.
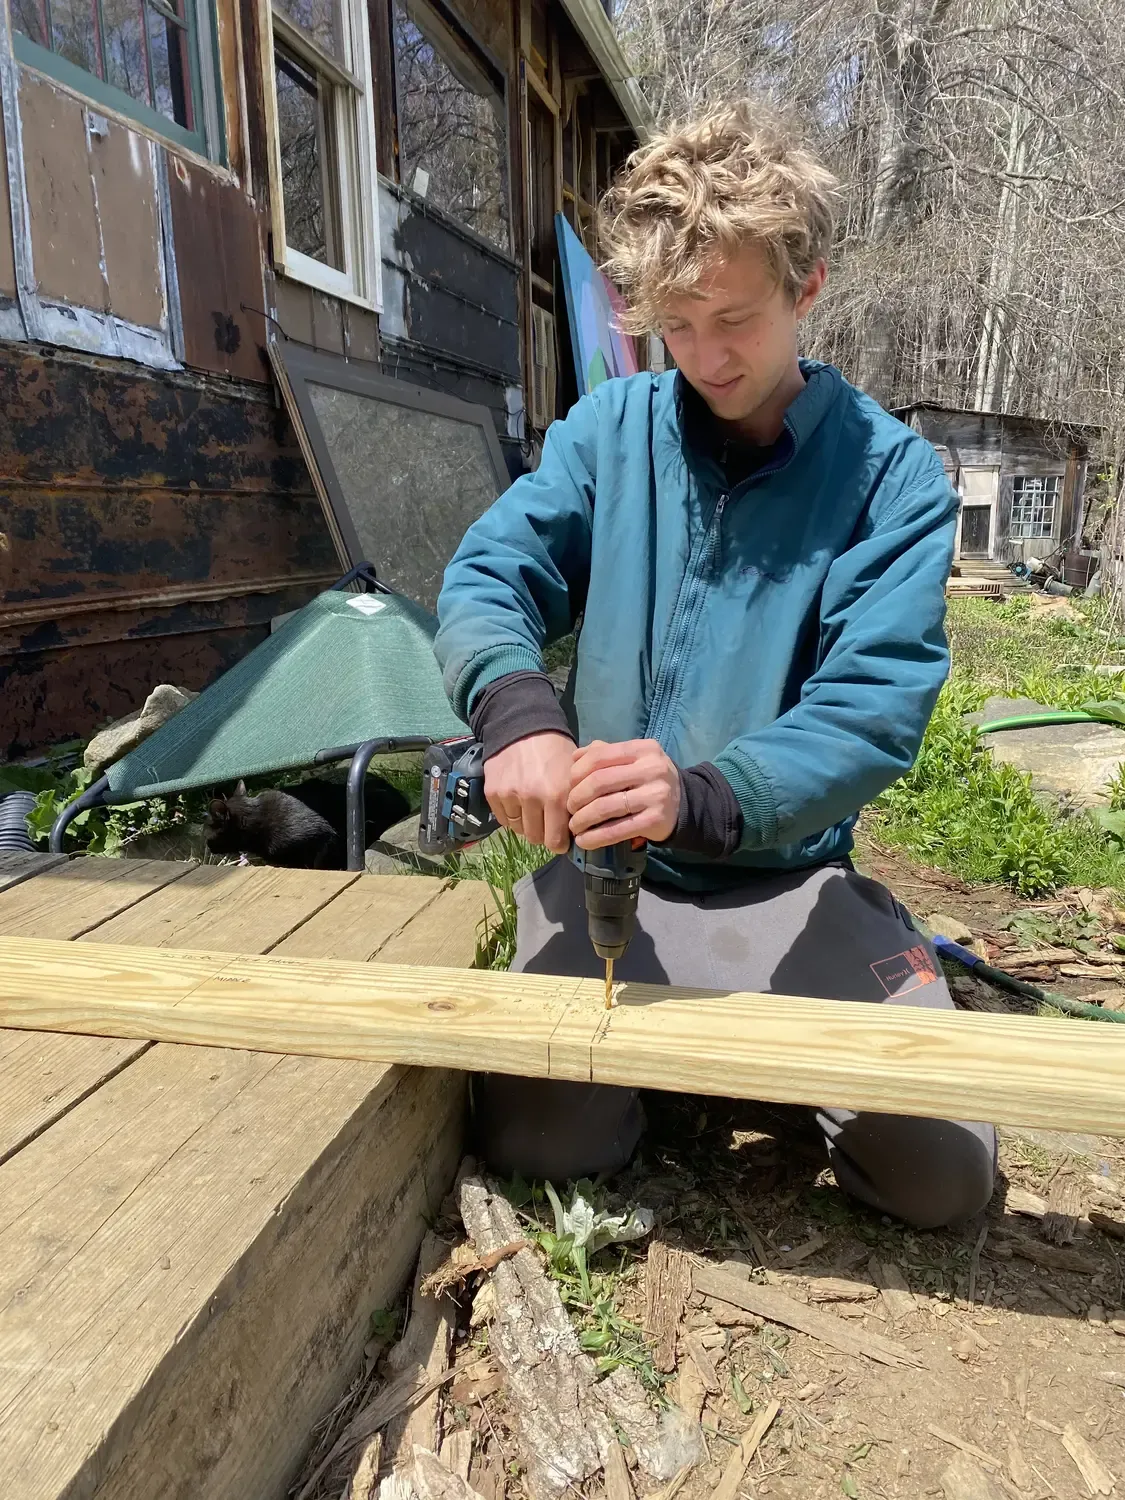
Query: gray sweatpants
{"x":829,"y":933}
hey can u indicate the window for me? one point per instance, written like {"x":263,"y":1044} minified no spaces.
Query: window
{"x":150,"y":60}
{"x":322,"y":192}
{"x":1034,"y":501}
{"x":452,"y":122}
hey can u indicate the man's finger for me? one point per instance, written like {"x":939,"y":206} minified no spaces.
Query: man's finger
{"x":616,"y":808}
{"x":590,"y":757}
{"x":532,"y":826}
{"x":604,"y":781}
{"x":611,"y":833}
{"x":556,"y":827}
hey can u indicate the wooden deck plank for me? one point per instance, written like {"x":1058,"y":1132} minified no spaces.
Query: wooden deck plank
{"x":71,"y":898}
{"x":191,"y":1254}
{"x":227,"y":908}
{"x":17,"y":866}
{"x":444,"y":933}
{"x":43,"y":1074}
{"x":1013,"y":1070}
{"x":142,"y":1263}
{"x":362,"y":918}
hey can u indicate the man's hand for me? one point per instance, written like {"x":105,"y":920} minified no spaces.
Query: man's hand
{"x":526,"y":785}
{"x":619,"y":792}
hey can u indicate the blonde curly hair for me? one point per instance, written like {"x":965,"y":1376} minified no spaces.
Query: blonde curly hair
{"x":703,"y":189}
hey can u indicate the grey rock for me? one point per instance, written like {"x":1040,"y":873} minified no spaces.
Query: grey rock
{"x":1074,"y":762}
{"x":118,"y":738}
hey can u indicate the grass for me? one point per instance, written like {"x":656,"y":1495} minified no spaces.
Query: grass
{"x":501,"y":860}
{"x":960,"y":810}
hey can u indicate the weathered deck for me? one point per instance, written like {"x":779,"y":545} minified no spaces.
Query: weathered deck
{"x":192,"y":1240}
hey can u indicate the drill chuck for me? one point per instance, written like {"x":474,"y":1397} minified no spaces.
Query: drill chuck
{"x":612,"y":881}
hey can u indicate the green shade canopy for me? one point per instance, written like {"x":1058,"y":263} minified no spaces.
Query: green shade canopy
{"x":346,"y":669}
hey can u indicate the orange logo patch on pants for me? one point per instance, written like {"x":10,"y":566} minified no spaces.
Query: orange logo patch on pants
{"x":905,"y":971}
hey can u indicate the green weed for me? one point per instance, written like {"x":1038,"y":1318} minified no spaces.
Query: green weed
{"x":501,"y":860}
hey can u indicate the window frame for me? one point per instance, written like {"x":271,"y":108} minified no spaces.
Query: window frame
{"x":208,"y":140}
{"x":1047,"y":495}
{"x":361,"y":280}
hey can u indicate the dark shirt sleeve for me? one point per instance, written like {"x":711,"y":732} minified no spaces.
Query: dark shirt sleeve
{"x":710,"y":820}
{"x":515,"y":706}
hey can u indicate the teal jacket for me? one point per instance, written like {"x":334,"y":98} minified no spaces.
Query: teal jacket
{"x":788,"y":628}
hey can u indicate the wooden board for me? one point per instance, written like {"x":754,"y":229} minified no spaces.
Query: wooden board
{"x":16,"y":867}
{"x":74,"y":897}
{"x":444,"y":934}
{"x":226,"y":908}
{"x":44,"y":1074}
{"x":362,"y":918}
{"x":1015,"y":1070}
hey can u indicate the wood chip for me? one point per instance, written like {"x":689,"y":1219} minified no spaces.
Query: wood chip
{"x":1099,"y":1481}
{"x":1023,"y":1383}
{"x":1044,"y":1425}
{"x":964,"y":1479}
{"x":839,"y":1289}
{"x":1050,"y":1257}
{"x":799,"y":1253}
{"x":673,"y":1487}
{"x":1064,"y":1207}
{"x":739,"y":1461}
{"x":365,"y":1473}
{"x":1032,"y":957}
{"x":1064,"y":1299}
{"x":618,"y":1485}
{"x":427,"y":1340}
{"x":1113,"y":1227}
{"x":1019,"y":1470}
{"x":456,"y":1269}
{"x":689,"y":1392}
{"x":896,"y":1294}
{"x":433,"y":1481}
{"x":1088,"y":971}
{"x":702,"y":1361}
{"x":1113,"y":1377}
{"x":667,"y":1284}
{"x":733,"y":1317}
{"x":965,"y":1447}
{"x":777,"y":1307}
{"x":1018,"y":1200}
{"x":457,"y":1451}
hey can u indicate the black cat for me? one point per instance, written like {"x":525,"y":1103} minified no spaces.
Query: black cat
{"x":303,"y":828}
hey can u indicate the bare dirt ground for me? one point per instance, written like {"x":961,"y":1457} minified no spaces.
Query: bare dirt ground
{"x":1011,"y":1328}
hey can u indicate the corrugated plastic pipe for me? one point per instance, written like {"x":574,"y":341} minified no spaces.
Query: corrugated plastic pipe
{"x":14,"y":810}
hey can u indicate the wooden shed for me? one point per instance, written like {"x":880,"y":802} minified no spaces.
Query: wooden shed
{"x":1021,"y":480}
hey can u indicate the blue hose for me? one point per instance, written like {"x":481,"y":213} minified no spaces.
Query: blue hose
{"x":946,"y":948}
{"x":14,"y":811}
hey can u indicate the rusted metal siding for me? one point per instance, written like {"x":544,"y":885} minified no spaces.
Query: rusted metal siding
{"x":150,"y":525}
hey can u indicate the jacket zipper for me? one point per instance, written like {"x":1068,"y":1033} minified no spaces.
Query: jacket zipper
{"x":682,"y":630}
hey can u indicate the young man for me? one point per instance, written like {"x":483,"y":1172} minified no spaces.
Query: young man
{"x":757,"y":553}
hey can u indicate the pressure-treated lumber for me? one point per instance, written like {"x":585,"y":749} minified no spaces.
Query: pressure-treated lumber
{"x":1016,"y":1070}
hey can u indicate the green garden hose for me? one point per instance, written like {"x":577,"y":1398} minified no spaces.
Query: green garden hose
{"x":946,"y":948}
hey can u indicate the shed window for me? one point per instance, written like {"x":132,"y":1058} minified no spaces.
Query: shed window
{"x":322,"y":147}
{"x":150,"y":60}
{"x":452,"y":122}
{"x":1034,"y":503}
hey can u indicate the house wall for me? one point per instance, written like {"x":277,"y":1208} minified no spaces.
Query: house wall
{"x":155,"y":511}
{"x":1012,"y":446}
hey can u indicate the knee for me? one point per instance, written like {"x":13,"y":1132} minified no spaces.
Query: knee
{"x":929,"y":1173}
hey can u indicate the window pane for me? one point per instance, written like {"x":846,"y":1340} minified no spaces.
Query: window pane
{"x":322,"y":19}
{"x":125,"y":48}
{"x":167,"y":50}
{"x":29,"y":18}
{"x":308,"y":156}
{"x":74,"y":34}
{"x":453,"y":132}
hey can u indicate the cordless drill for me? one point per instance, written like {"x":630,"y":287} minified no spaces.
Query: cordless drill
{"x":455,"y":813}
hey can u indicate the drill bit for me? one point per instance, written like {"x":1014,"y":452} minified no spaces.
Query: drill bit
{"x":609,"y":983}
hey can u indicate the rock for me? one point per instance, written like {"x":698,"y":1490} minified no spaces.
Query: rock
{"x":1071,"y":761}
{"x":118,"y":738}
{"x":951,"y":927}
{"x":396,"y":852}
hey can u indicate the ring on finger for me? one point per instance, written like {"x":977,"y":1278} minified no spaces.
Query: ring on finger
{"x":628,"y":809}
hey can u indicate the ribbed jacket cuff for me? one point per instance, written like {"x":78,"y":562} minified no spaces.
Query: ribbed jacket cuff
{"x":485,"y":667}
{"x":513,"y":707}
{"x":755,"y":798}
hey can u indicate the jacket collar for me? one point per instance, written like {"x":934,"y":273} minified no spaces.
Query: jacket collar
{"x":702,"y":443}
